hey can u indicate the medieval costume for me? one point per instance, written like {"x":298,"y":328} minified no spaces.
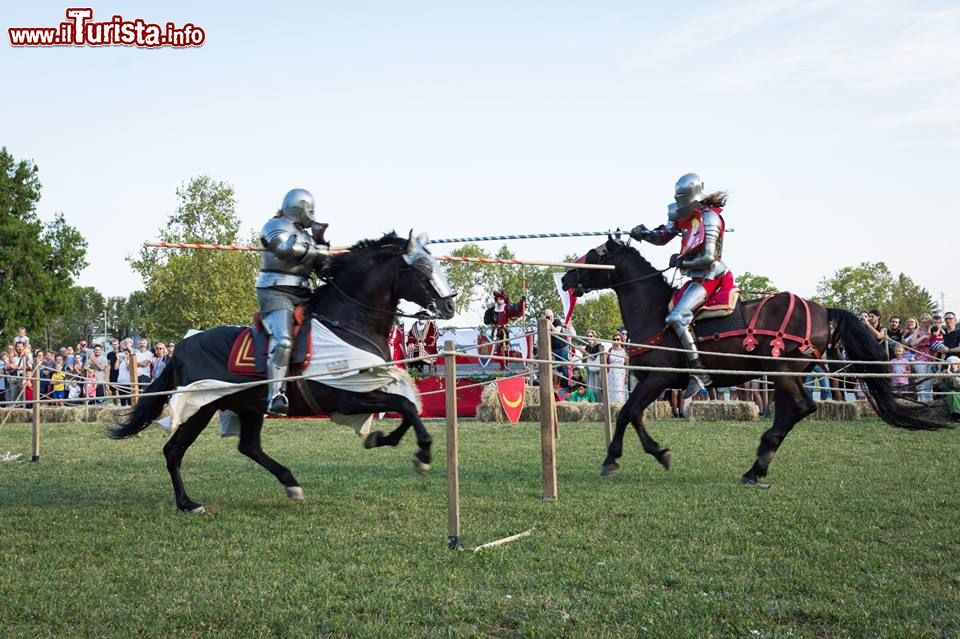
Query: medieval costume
{"x":422,"y":342}
{"x":498,"y":316}
{"x":293,"y":242}
{"x":395,"y":345}
{"x":696,"y":217}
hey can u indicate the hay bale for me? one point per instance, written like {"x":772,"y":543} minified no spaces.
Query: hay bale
{"x":573,"y":411}
{"x":866,"y":409}
{"x":832,"y":411}
{"x":660,"y":409}
{"x":723,"y":411}
{"x":17,"y":415}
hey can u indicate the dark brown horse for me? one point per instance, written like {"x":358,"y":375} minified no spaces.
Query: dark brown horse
{"x":644,"y":297}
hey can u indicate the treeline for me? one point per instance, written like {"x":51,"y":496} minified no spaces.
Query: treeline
{"x":186,"y":289}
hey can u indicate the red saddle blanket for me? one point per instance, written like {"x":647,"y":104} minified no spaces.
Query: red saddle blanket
{"x":722,"y":296}
{"x":248,"y":355}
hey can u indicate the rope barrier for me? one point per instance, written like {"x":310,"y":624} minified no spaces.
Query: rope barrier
{"x":527,"y":361}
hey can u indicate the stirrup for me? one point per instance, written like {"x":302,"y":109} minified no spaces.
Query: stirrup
{"x":278,"y":405}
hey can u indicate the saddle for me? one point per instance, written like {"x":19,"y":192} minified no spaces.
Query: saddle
{"x":249,"y":353}
{"x":722,"y":297}
{"x":724,"y":324}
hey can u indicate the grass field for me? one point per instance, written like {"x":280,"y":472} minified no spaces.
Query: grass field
{"x":859,"y":537}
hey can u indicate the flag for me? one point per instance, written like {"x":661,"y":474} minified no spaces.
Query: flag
{"x":512,"y":392}
{"x":566,"y":297}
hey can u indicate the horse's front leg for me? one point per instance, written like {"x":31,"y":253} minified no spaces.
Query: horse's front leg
{"x":632,"y":412}
{"x":615,"y":449}
{"x":378,"y":401}
{"x":422,"y":458}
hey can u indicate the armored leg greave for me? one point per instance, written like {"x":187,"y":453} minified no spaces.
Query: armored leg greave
{"x":679,"y":320}
{"x":279,"y":324}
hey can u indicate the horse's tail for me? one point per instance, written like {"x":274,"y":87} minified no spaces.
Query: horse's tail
{"x":148,"y":408}
{"x":861,"y":345}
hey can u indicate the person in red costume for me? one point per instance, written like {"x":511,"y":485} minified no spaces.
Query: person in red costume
{"x":422,"y":342}
{"x":395,"y":345}
{"x":696,"y":218}
{"x":499,"y":316}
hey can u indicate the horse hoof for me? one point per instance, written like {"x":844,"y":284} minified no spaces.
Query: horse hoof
{"x":665,"y":458}
{"x":420,"y":467}
{"x":372,"y":440}
{"x":746,"y":481}
{"x":295,"y":493}
{"x":196,"y":510}
{"x":609,"y":469}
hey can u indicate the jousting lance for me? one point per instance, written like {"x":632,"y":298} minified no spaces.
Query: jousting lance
{"x":532,"y":236}
{"x":445,"y":258}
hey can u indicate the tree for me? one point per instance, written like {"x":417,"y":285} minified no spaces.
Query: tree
{"x":907,"y":299}
{"x":475,"y":283}
{"x":126,"y":315}
{"x":753,"y":286}
{"x":82,"y":319}
{"x":871,"y":285}
{"x":466,"y":278}
{"x":192,"y":288}
{"x":38,"y":262}
{"x":601,"y":315}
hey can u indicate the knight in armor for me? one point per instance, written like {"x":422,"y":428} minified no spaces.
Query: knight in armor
{"x":295,"y":249}
{"x":697,"y":218}
{"x":499,"y":316}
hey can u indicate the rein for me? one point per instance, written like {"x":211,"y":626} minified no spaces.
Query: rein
{"x":395,"y":313}
{"x":642,"y":277}
{"x":633,"y":280}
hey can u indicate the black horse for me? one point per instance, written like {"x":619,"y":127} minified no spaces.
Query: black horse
{"x":644,"y":297}
{"x":359,"y":301}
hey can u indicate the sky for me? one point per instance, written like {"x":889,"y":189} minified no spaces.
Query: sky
{"x":835,"y":126}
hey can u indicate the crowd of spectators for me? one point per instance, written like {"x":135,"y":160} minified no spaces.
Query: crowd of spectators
{"x":85,"y":374}
{"x":924,"y":356}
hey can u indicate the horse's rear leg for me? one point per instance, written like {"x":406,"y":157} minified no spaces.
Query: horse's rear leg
{"x":174,"y":450}
{"x":792,"y":405}
{"x":251,"y":423}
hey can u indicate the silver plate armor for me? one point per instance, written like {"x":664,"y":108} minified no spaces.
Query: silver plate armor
{"x":705,"y":263}
{"x":298,"y":207}
{"x":284,"y":281}
{"x":688,"y":190}
{"x":290,"y":255}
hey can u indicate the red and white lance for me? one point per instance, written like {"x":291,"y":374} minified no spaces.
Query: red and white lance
{"x":341,"y":249}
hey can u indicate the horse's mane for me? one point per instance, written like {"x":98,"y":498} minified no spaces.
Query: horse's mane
{"x":336,"y":264}
{"x":643,"y":263}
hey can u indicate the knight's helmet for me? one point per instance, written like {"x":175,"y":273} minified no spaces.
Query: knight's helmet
{"x":688,"y":191}
{"x":298,"y":207}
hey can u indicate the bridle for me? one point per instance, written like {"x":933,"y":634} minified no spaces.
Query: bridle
{"x":633,"y":280}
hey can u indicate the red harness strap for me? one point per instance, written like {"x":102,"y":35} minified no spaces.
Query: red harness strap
{"x":777,"y":343}
{"x":633,"y":351}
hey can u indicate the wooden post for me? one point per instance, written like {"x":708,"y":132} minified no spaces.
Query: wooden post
{"x":36,"y":413}
{"x":605,"y":389}
{"x":134,"y":377}
{"x":548,"y":444}
{"x":453,"y":446}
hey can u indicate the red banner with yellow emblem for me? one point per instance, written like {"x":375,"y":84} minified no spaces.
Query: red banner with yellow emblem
{"x":512,"y":392}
